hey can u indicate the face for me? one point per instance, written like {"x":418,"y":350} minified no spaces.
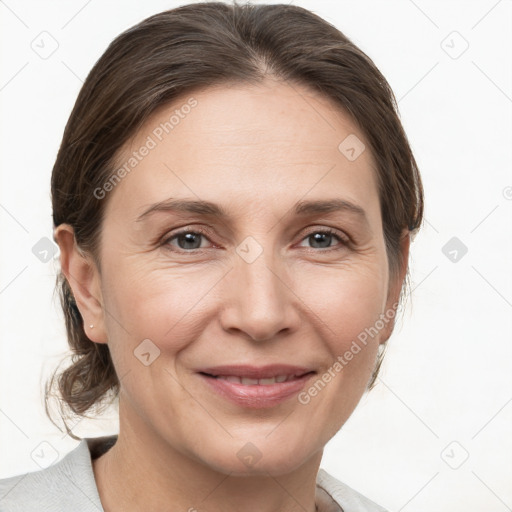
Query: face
{"x":243,"y":267}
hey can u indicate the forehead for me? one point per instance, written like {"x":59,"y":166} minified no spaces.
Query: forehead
{"x":265,"y":145}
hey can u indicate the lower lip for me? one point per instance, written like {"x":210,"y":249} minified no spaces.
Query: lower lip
{"x":257,"y":396}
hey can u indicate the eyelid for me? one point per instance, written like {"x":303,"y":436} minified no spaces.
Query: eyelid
{"x":343,"y":239}
{"x":168,"y":237}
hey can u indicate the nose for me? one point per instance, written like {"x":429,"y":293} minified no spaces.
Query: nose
{"x":259,"y":299}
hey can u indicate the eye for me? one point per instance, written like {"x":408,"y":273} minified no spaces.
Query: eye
{"x":322,"y":238}
{"x":186,"y":240}
{"x":190,"y":240}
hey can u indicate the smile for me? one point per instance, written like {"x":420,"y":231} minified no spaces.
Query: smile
{"x":247,"y":381}
{"x":256,"y":387}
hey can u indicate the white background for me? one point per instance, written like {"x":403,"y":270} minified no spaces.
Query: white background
{"x":445,"y":391}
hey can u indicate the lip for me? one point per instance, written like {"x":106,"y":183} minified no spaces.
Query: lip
{"x":256,"y":396}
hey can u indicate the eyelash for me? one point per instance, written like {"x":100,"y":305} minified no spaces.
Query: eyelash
{"x":344,"y":241}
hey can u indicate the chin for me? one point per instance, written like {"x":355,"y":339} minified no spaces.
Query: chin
{"x":246,"y":458}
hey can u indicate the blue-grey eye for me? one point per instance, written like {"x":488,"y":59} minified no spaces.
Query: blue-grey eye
{"x":187,"y":240}
{"x":322,"y":239}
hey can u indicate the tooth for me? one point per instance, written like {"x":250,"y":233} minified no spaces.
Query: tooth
{"x":232,"y":378}
{"x":249,"y":382}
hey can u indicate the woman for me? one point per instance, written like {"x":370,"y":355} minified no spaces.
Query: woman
{"x":234,"y":199}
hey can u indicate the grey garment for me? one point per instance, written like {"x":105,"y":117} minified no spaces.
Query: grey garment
{"x":69,"y":486}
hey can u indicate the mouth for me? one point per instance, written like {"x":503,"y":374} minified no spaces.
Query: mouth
{"x":256,"y":387}
{"x":247,"y":381}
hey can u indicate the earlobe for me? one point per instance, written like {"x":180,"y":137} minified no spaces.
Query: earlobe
{"x":395,"y":287}
{"x":83,"y":278}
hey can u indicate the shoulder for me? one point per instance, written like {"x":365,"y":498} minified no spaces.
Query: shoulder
{"x":67,"y":485}
{"x":346,"y":497}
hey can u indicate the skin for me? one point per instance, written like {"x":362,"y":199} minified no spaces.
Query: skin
{"x":256,"y":151}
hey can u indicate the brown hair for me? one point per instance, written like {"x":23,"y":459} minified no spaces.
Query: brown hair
{"x":185,"y":49}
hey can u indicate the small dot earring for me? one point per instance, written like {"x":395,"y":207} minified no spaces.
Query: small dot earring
{"x":91,"y":326}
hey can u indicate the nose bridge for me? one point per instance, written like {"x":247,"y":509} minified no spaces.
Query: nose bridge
{"x":260,"y":303}
{"x":254,"y":268}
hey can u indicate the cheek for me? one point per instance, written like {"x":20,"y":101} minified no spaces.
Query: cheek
{"x":147,"y":300}
{"x":346,"y":301}
{"x":347,"y":306}
{"x":157,"y":303}
{"x":174,"y":305}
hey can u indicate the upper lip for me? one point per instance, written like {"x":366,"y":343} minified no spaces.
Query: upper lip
{"x":256,"y":372}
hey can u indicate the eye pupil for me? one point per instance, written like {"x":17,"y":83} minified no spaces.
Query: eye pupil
{"x":321,"y":238}
{"x":189,"y":238}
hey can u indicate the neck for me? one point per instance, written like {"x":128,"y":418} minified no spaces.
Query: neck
{"x":143,"y":472}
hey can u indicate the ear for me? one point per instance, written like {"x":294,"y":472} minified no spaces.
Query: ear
{"x":84,"y":279}
{"x":395,"y":287}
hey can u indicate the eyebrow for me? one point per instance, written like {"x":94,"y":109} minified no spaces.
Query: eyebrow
{"x":330,"y":206}
{"x":199,"y":207}
{"x":207,"y":208}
